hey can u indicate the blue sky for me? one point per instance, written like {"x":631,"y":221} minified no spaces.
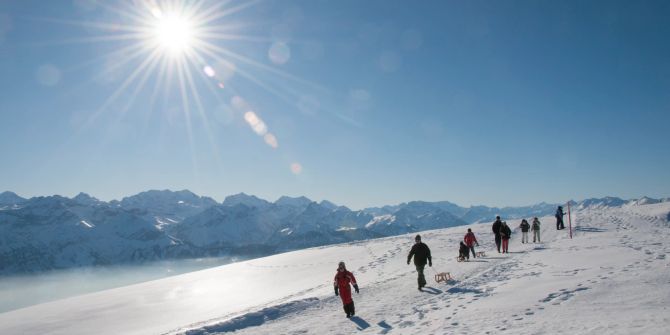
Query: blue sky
{"x":498,"y":103}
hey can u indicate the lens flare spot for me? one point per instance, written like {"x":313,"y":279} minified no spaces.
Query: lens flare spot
{"x":221,"y":85}
{"x":256,"y":124}
{"x":271,"y":140}
{"x":209,"y":71}
{"x":251,"y":118}
{"x":279,"y":53}
{"x":296,"y":168}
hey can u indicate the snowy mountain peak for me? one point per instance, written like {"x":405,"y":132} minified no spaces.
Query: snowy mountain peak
{"x":328,"y":204}
{"x":245,"y":199}
{"x":86,"y":199}
{"x":299,"y":202}
{"x":644,"y":201}
{"x":601,"y":202}
{"x":10,"y":198}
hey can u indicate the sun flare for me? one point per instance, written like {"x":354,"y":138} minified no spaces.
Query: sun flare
{"x":173,"y":32}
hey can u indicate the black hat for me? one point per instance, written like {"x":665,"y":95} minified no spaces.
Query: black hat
{"x":417,"y":238}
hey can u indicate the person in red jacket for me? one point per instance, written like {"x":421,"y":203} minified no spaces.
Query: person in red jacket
{"x":343,"y":279}
{"x":470,"y":241}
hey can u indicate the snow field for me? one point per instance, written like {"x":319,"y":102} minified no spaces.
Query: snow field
{"x":612,"y":277}
{"x":598,"y":282}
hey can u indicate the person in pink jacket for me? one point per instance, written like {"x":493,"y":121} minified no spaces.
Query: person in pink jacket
{"x":343,"y":280}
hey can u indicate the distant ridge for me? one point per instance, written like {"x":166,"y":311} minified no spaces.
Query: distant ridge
{"x":55,"y":232}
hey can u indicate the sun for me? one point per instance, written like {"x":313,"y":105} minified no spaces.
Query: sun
{"x":173,"y":32}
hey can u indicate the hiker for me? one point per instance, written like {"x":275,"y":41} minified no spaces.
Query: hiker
{"x":496,"y":231}
{"x":536,"y":229}
{"x":421,"y":254}
{"x":559,"y":218}
{"x":470,"y":241}
{"x":525,"y":227}
{"x":505,"y":234}
{"x":343,"y":279}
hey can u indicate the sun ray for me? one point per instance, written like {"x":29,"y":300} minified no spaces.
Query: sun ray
{"x":178,"y":44}
{"x":187,"y":116}
{"x":127,"y":82}
{"x":111,"y":27}
{"x":201,"y":111}
{"x":213,"y":16}
{"x":153,"y":61}
{"x":236,"y":37}
{"x":133,"y":17}
{"x":88,"y":40}
{"x":215,"y":49}
{"x":161,"y":77}
{"x":248,"y":76}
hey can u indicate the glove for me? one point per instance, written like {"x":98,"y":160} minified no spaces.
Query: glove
{"x":430,"y":263}
{"x":477,"y":244}
{"x":336,"y":291}
{"x":356,"y":288}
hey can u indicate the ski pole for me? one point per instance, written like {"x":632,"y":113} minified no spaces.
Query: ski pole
{"x":569,"y":220}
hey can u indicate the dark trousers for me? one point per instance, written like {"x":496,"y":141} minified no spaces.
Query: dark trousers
{"x":559,"y":223}
{"x":498,"y":242}
{"x":349,"y":309}
{"x":422,"y":279}
{"x":472,"y":249}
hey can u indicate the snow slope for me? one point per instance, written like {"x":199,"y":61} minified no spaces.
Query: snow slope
{"x":611,"y":278}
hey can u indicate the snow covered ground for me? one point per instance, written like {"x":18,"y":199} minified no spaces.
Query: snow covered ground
{"x":612,"y":278}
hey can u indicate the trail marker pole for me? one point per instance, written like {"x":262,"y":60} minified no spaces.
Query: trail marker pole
{"x":569,"y":220}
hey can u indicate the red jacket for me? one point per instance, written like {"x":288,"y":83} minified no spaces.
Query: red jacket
{"x":343,"y":279}
{"x":470,"y":239}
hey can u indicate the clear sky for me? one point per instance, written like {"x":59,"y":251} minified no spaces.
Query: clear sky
{"x":362,"y":103}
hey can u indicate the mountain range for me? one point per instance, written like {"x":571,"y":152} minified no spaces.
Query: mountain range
{"x":56,"y":232}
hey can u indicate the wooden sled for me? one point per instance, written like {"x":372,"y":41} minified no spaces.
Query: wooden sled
{"x":442,"y":277}
{"x":480,"y":254}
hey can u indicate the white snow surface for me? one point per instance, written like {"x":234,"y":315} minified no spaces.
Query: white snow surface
{"x":612,"y":277}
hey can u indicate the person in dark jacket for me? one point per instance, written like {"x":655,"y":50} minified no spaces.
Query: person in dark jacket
{"x":525,"y":227}
{"x":343,"y":280}
{"x":470,"y":241}
{"x":505,"y":234}
{"x":559,"y":218}
{"x":536,"y":229}
{"x":463,"y":252}
{"x":496,"y":231}
{"x":421,"y":254}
